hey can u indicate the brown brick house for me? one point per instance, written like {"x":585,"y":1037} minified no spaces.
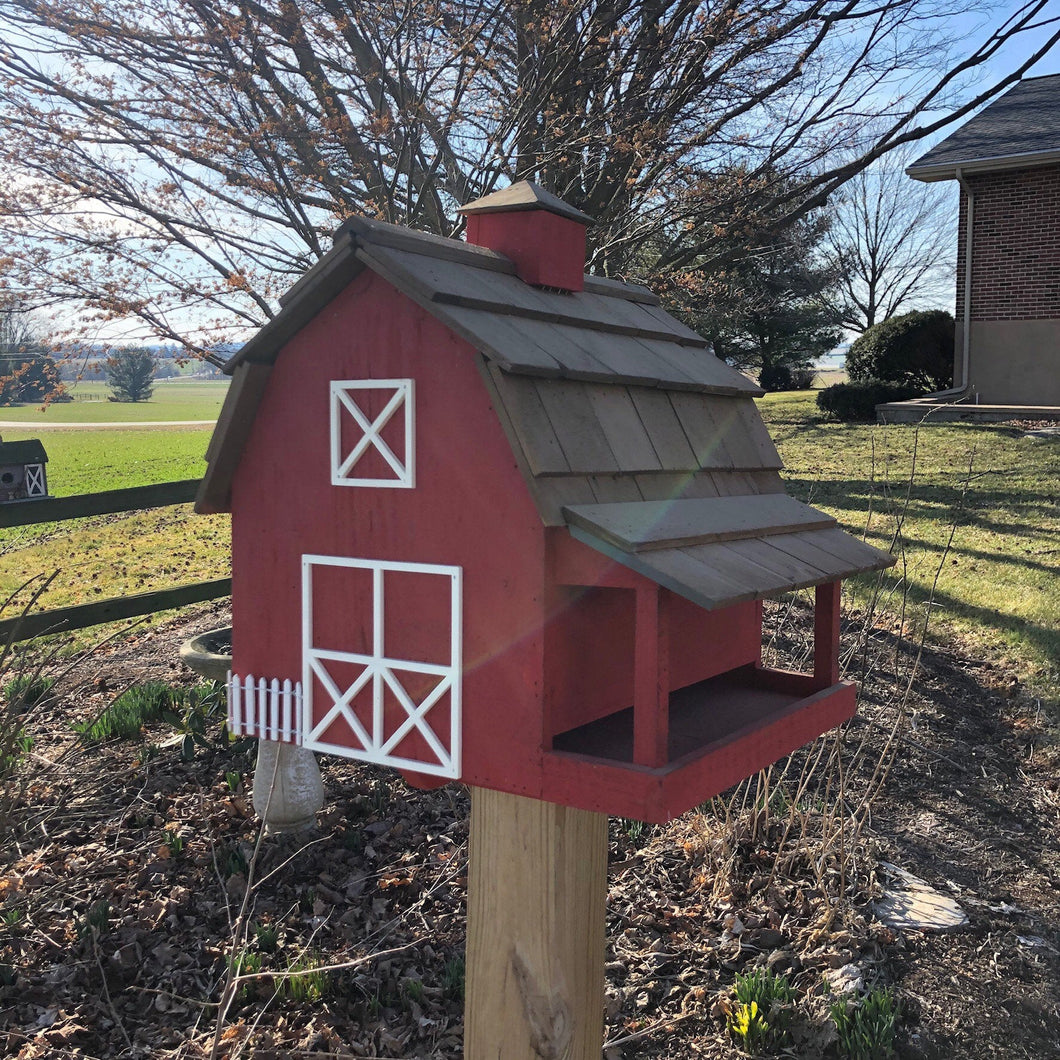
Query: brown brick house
{"x":1007,"y":162}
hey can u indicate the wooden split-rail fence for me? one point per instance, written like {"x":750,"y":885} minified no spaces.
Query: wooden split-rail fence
{"x":81,"y":616}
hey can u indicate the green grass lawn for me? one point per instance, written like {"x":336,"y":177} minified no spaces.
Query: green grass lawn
{"x":117,"y":555}
{"x":993,"y":488}
{"x":172,"y":400}
{"x":94,"y":460}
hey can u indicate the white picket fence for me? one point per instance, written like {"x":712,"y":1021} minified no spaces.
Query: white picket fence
{"x":267,"y":710}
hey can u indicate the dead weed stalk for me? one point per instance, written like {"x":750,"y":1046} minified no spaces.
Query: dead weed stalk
{"x":803,"y":826}
{"x":30,"y":671}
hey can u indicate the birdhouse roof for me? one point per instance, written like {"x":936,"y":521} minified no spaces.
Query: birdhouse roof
{"x":27,"y":451}
{"x":626,"y":427}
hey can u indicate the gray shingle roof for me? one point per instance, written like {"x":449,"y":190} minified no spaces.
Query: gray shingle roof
{"x":1021,"y":128}
{"x":27,"y":451}
{"x":609,"y":332}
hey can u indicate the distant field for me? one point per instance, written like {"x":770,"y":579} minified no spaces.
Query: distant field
{"x":88,"y":461}
{"x":172,"y":400}
{"x":828,"y":376}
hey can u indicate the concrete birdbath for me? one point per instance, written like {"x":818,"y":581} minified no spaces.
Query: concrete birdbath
{"x":288,"y":790}
{"x":209,"y":654}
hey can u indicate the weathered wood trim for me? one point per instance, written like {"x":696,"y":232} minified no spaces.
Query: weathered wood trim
{"x":834,"y":550}
{"x":81,"y":616}
{"x":305,"y":299}
{"x":131,"y":499}
{"x":581,"y":438}
{"x":621,"y":423}
{"x":552,"y":316}
{"x":632,"y":292}
{"x":649,"y":525}
{"x":322,"y":282}
{"x":230,"y":436}
{"x":380,"y":233}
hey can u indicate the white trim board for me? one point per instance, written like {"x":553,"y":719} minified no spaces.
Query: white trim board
{"x":343,"y":399}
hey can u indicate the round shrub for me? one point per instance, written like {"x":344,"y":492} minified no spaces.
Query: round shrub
{"x":786,"y":377}
{"x":915,"y":350}
{"x":858,"y":401}
{"x":775,"y":377}
{"x":803,"y":378}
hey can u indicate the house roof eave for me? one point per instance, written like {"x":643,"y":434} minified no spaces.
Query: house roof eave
{"x":948,"y":170}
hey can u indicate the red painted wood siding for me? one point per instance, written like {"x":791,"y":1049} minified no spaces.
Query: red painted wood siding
{"x":470,"y":508}
{"x":548,"y":250}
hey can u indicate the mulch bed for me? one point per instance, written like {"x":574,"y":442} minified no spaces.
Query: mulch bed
{"x":122,"y":886}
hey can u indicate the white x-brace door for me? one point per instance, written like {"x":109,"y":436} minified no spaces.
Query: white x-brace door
{"x":35,"y":480}
{"x":333,"y":677}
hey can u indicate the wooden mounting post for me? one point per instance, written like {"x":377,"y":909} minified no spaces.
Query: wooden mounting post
{"x":537,"y":887}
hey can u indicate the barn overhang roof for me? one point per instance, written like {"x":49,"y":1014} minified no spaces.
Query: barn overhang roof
{"x":725,"y":550}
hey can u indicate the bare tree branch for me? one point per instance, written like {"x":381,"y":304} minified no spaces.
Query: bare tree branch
{"x":181,"y":165}
{"x":896,"y":241}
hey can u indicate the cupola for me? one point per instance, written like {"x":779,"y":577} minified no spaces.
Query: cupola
{"x":539,"y":232}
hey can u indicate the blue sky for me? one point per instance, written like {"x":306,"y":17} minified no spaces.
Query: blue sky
{"x":979,"y":26}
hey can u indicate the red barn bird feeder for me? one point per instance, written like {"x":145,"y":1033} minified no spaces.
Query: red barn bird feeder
{"x":499,"y":521}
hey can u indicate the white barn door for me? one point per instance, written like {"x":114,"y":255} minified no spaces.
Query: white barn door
{"x":381,"y":662}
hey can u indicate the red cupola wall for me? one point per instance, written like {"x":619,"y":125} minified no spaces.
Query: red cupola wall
{"x":539,"y":233}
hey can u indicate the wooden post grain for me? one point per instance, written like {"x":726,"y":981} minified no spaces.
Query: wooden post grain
{"x":537,"y":887}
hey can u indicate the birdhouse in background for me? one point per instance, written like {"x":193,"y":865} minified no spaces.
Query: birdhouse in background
{"x":22,"y":472}
{"x":498,"y":521}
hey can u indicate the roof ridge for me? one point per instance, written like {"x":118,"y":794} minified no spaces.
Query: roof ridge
{"x":368,"y":231}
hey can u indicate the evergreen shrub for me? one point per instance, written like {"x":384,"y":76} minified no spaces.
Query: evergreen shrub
{"x":914,"y":350}
{"x":857,"y":401}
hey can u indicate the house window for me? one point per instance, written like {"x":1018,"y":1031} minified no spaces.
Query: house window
{"x":381,"y":662}
{"x":373,"y":439}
